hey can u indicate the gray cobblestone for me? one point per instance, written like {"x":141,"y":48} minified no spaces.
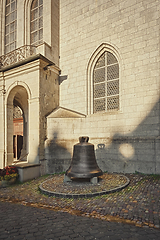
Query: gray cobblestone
{"x":140,"y":204}
{"x":90,"y":228}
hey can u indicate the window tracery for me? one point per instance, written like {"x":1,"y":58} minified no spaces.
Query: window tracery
{"x":106,"y":83}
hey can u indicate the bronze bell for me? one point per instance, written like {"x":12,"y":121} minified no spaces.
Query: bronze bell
{"x":83,"y":163}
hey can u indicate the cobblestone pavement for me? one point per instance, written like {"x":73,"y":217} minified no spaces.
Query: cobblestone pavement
{"x":26,"y":222}
{"x":138,"y":205}
{"x":82,"y":188}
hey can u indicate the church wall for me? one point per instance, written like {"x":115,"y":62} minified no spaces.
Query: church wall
{"x":49,"y":100}
{"x":20,"y":23}
{"x":132,"y":27}
{"x":0,"y":28}
{"x":40,"y":83}
{"x":126,"y":140}
{"x":50,"y":45}
{"x":27,"y":77}
{"x":1,"y":121}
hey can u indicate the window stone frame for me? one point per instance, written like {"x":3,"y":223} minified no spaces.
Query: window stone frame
{"x":104,"y":47}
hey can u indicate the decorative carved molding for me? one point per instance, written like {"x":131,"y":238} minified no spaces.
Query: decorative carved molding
{"x":17,"y":55}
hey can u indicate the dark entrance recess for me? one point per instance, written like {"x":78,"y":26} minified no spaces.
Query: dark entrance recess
{"x":17,"y":132}
{"x":17,"y":145}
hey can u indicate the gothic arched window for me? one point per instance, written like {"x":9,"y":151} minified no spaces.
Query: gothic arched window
{"x":36,"y":22}
{"x":10,"y":25}
{"x":106,"y":83}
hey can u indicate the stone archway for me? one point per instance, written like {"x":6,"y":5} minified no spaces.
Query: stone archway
{"x":17,"y":98}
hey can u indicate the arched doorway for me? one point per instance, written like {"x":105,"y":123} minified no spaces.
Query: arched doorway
{"x":17,"y":130}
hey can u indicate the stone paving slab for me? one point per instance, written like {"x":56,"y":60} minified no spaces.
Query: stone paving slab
{"x":30,"y":223}
{"x":138,"y":204}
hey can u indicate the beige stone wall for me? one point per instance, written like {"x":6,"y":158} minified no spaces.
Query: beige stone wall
{"x":35,"y":87}
{"x":2,"y":143}
{"x":132,"y":27}
{"x":0,"y":28}
{"x":41,"y":87}
{"x":127,"y":139}
{"x":49,"y":99}
{"x":21,"y":80}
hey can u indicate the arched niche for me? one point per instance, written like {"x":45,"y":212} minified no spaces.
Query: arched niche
{"x":17,"y":97}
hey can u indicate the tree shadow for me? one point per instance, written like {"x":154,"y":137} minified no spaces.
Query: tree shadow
{"x":57,"y":155}
{"x":137,"y":151}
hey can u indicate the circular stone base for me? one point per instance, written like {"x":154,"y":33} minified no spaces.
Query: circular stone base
{"x":107,"y":183}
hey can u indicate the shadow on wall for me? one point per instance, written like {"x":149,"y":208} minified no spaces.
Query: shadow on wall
{"x":57,"y":155}
{"x":138,"y":151}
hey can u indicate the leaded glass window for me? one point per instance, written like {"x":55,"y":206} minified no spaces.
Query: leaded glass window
{"x":10,"y":25}
{"x":106,"y":83}
{"x":37,"y":22}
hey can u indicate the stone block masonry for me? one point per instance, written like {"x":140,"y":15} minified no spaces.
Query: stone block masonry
{"x":130,"y":30}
